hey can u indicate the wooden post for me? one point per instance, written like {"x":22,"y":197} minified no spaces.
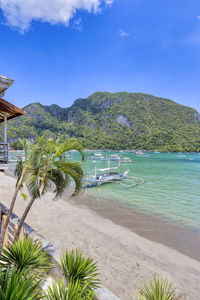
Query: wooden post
{"x":22,"y":234}
{"x":5,"y":139}
{"x":5,"y":128}
{"x":2,"y":227}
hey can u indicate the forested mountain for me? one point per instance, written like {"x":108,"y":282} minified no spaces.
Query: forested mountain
{"x":114,"y":121}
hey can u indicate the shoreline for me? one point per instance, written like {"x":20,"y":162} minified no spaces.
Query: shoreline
{"x":125,"y":259}
{"x":185,"y":240}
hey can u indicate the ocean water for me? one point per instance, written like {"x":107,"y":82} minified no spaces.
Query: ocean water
{"x":171,"y":189}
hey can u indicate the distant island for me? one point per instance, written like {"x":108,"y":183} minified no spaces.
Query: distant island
{"x":114,"y":121}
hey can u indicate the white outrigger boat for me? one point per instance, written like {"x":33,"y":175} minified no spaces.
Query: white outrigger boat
{"x":114,"y":157}
{"x":106,"y":175}
{"x":110,"y":175}
{"x":96,"y":156}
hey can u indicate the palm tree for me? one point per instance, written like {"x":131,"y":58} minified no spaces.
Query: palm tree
{"x":20,"y":173}
{"x":48,"y":167}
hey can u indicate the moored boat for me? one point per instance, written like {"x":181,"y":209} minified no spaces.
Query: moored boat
{"x":127,"y":160}
{"x":107,"y":176}
{"x":96,"y":156}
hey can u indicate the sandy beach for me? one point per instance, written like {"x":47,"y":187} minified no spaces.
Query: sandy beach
{"x":125,"y":259}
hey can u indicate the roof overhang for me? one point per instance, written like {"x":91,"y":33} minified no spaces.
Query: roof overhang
{"x":11,"y":110}
{"x":5,"y":83}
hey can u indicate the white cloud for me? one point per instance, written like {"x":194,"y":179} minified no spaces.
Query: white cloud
{"x":77,"y":24}
{"x":198,"y":17}
{"x":20,"y":13}
{"x":123,"y":33}
{"x":109,"y":2}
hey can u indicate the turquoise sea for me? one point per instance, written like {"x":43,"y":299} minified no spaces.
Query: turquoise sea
{"x":171,"y":189}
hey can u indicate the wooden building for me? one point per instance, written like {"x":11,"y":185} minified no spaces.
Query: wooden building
{"x":7,"y":111}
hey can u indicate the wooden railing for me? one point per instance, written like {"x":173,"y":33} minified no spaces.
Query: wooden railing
{"x":11,"y":229}
{"x":4,"y":153}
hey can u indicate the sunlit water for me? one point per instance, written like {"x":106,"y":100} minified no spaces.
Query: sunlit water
{"x":171,"y":189}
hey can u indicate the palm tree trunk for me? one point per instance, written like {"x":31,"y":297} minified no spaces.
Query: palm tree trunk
{"x":8,"y":217}
{"x":23,"y":218}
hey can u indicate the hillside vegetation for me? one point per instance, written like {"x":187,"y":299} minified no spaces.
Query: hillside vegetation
{"x":114,"y":121}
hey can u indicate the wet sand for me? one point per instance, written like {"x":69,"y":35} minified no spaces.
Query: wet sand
{"x":179,"y":237}
{"x":125,"y":259}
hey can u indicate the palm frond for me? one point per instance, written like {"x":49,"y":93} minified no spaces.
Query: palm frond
{"x":27,"y":145}
{"x":18,"y":170}
{"x":74,"y":170}
{"x":71,"y":144}
{"x":33,"y":184}
{"x":59,"y":179}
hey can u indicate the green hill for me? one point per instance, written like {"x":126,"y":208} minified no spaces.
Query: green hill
{"x":115,"y":121}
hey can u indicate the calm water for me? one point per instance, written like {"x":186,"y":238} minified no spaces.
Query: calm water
{"x":171,"y":189}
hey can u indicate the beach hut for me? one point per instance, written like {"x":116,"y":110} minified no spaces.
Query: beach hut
{"x":7,"y":111}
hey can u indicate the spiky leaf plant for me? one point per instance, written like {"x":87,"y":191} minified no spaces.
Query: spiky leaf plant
{"x":77,"y":268}
{"x":73,"y":291}
{"x":57,"y":290}
{"x":26,"y":254}
{"x":157,"y":289}
{"x":16,"y":285}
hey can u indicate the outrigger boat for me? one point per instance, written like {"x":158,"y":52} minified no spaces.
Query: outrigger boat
{"x":108,"y":175}
{"x":114,"y":157}
{"x":96,"y":156}
{"x":127,"y":160}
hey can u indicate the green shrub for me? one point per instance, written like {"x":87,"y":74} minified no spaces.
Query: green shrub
{"x":156,"y":289}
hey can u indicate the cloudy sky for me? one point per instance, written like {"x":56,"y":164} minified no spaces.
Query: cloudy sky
{"x":60,"y":50}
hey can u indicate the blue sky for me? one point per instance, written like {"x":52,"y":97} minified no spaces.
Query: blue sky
{"x":57,"y":56}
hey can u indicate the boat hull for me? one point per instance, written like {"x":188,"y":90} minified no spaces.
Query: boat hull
{"x":98,"y":180}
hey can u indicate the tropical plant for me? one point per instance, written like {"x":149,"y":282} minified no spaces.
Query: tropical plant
{"x":26,"y":254}
{"x":20,"y":173}
{"x":72,"y":291}
{"x":80,"y":278}
{"x":24,"y":265}
{"x":157,"y":289}
{"x":77,"y":268}
{"x":49,"y":168}
{"x":16,"y":285}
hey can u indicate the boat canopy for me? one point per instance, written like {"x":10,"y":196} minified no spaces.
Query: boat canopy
{"x":107,"y":169}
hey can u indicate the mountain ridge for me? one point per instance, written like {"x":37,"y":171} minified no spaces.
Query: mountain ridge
{"x":115,"y":121}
